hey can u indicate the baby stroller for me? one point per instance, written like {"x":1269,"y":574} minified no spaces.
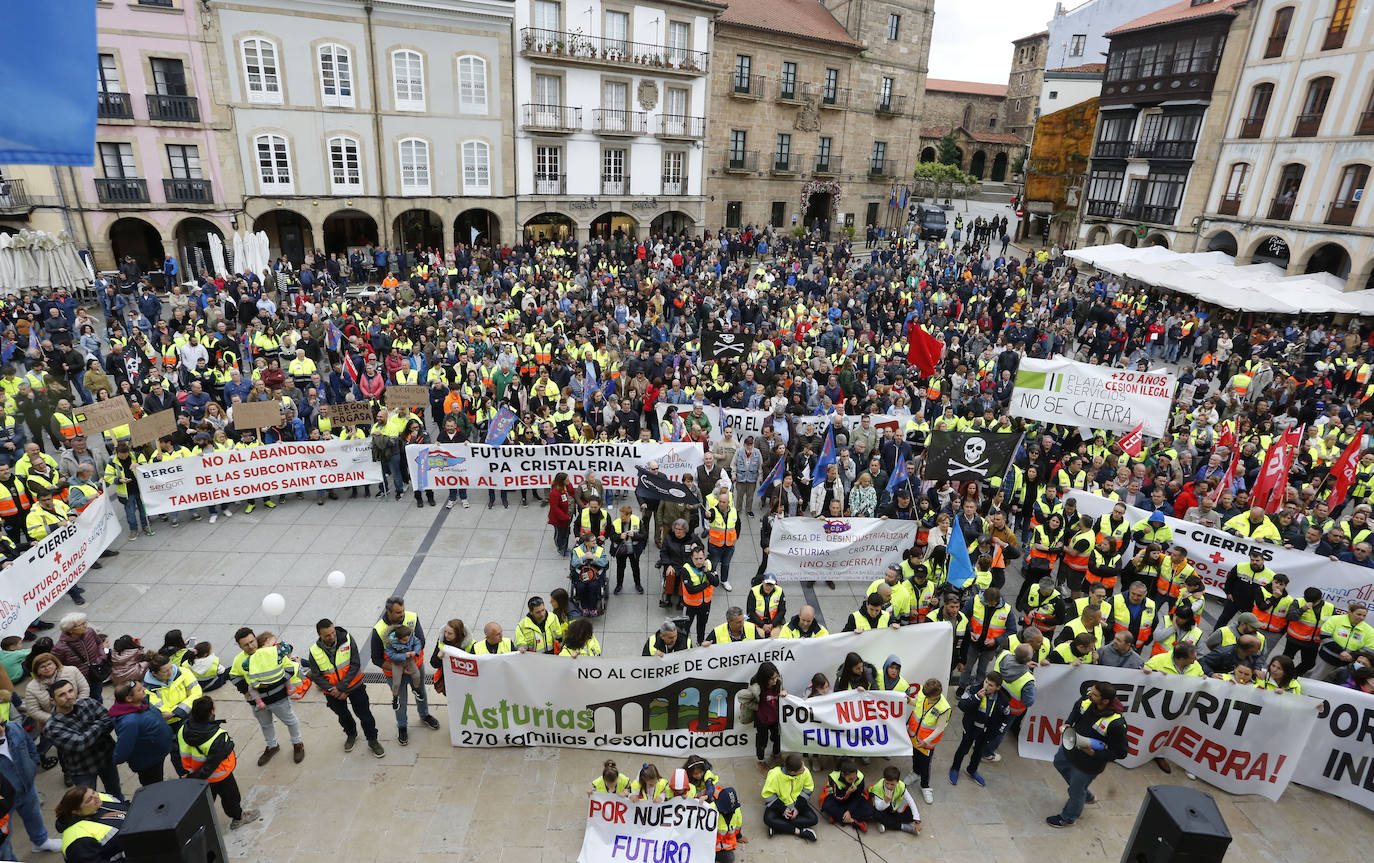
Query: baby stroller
{"x":590,"y":586}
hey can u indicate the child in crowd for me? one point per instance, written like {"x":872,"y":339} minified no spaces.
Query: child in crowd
{"x":403,"y":650}
{"x":210,"y":674}
{"x":893,"y":803}
{"x":611,"y":781}
{"x":649,"y":786}
{"x":127,"y":660}
{"x":12,"y":656}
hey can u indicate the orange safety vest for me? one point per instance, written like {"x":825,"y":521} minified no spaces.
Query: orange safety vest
{"x":724,"y":529}
{"x":191,"y":759}
{"x":1121,"y":620}
{"x":1307,"y":628}
{"x":695,"y":599}
{"x":1072,"y":559}
{"x":334,"y":669}
{"x":923,"y":724}
{"x":997,"y":626}
{"x":1172,"y":586}
{"x":7,"y":505}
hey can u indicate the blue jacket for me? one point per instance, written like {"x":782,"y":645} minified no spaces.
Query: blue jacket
{"x":22,"y":764}
{"x":143,"y":736}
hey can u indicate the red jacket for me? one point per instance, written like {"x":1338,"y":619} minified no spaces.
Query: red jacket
{"x":559,"y":514}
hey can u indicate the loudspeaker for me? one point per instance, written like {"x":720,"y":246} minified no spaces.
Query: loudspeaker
{"x":1177,"y":825}
{"x":173,"y":822}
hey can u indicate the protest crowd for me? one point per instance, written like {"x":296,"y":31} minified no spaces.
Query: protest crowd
{"x":619,"y":340}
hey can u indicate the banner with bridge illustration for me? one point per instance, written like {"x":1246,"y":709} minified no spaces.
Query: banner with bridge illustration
{"x":670,"y":705}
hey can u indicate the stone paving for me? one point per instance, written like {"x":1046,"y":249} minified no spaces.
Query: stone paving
{"x":429,"y":801}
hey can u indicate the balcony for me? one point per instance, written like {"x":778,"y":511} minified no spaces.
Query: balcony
{"x":1158,"y":215}
{"x":1251,"y":127}
{"x":1179,"y":150}
{"x":550,"y":184}
{"x":826,"y":165}
{"x":173,"y":109}
{"x":890,"y":105}
{"x":615,"y":184}
{"x":674,"y":185}
{"x":1131,"y":211}
{"x":617,"y":53}
{"x":1113,"y":149}
{"x":1229,"y":206}
{"x":837,"y":97}
{"x":114,"y":106}
{"x":1178,"y":85}
{"x":747,"y":86}
{"x":741,"y":161}
{"x":553,"y":118}
{"x":1342,"y":213}
{"x":791,"y":91}
{"x":1102,"y":209}
{"x":161,"y":4}
{"x":127,"y":190}
{"x":679,"y":126}
{"x":185,"y":191}
{"x":1335,"y":38}
{"x":1366,"y":126}
{"x":13,"y":198}
{"x":1273,"y":47}
{"x":788,"y":163}
{"x":615,"y":121}
{"x":1307,"y":125}
{"x":881,"y":169}
{"x":1281,"y":209}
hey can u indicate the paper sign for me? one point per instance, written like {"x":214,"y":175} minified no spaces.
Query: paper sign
{"x":103,"y":416}
{"x":151,"y":427}
{"x":256,"y":415}
{"x":349,"y":413}
{"x":403,"y":397}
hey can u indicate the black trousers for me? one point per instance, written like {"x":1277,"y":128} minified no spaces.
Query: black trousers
{"x":357,"y":698}
{"x":699,"y":613}
{"x":975,"y":741}
{"x":149,"y":775}
{"x":226,"y":791}
{"x":620,"y":568}
{"x":806,"y":817}
{"x":763,"y":732}
{"x":920,"y":765}
{"x":1305,"y":649}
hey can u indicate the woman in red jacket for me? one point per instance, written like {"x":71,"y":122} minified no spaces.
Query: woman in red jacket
{"x":560,"y":513}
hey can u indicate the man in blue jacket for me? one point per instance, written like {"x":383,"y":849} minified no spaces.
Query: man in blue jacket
{"x":19,"y":764}
{"x":1100,"y":732}
{"x":144,"y":739}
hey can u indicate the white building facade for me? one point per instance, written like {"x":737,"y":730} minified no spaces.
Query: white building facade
{"x":1299,"y":146}
{"x":1079,"y":35}
{"x":610,"y":114}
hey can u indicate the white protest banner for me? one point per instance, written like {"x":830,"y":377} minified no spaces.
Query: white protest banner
{"x":477,"y":465}
{"x":1213,"y":553}
{"x":1098,"y":397}
{"x":681,"y":830}
{"x":1239,"y":738}
{"x":53,"y":565}
{"x":846,"y":723}
{"x":1337,"y":758}
{"x":681,"y":703}
{"x":837,"y":549}
{"x":747,"y":423}
{"x":225,"y":476}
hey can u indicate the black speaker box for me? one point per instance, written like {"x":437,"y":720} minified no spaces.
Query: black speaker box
{"x":173,"y":822}
{"x":1177,"y":825}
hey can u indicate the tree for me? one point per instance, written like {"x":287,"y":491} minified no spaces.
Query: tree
{"x":1019,"y":166}
{"x":948,"y":152}
{"x":935,"y":180}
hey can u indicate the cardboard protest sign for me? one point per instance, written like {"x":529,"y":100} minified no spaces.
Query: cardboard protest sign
{"x":103,"y":416}
{"x":349,"y":413}
{"x":405,"y":397}
{"x":256,"y":415}
{"x":151,"y":427}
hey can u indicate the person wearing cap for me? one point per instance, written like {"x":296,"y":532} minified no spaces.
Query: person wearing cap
{"x":767,"y":607}
{"x":729,"y":825}
{"x":1243,"y":584}
{"x":901,"y":507}
{"x":80,"y":452}
{"x":1245,"y":623}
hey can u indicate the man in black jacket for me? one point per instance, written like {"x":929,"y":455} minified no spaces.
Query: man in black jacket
{"x":1101,"y":733}
{"x":986,"y":708}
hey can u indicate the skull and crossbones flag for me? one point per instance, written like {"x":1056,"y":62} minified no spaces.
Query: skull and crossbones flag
{"x":963,"y":456}
{"x":724,"y":347}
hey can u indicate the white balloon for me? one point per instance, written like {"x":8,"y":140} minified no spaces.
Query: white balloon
{"x":273,"y":604}
{"x":335,"y":579}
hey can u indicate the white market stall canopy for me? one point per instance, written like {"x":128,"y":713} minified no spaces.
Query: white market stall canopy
{"x":1213,"y":277}
{"x":37,"y":259}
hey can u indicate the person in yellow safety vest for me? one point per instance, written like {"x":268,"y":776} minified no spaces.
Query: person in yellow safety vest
{"x":1240,"y":385}
{"x":870,"y":615}
{"x":767,"y":607}
{"x":1042,"y":605}
{"x":629,"y":539}
{"x":207,"y":752}
{"x":47,"y":515}
{"x":903,"y":597}
{"x":1243,"y":584}
{"x":172,"y":689}
{"x":723,"y":524}
{"x":1172,"y":576}
{"x":1114,"y":526}
{"x":1017,"y":668}
{"x":64,"y":420}
{"x":335,"y":665}
{"x":729,"y":824}
{"x":930,"y":715}
{"x":1344,"y":635}
{"x":264,"y":677}
{"x":803,"y":625}
{"x":1181,"y":660}
{"x":1078,"y":650}
{"x":1253,"y":524}
{"x":393,"y":614}
{"x":1101,"y":732}
{"x":1078,"y":549}
{"x":1135,"y":612}
{"x":492,"y":642}
{"x":786,"y":790}
{"x":1089,"y":621}
{"x":735,"y":628}
{"x":1104,"y":567}
{"x":84,"y":488}
{"x":537,"y":631}
{"x":593,"y":519}
{"x":611,"y":781}
{"x":89,"y":822}
{"x":990,"y":618}
{"x":1153,"y":529}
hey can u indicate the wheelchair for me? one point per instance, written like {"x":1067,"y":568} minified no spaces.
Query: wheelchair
{"x":590,"y":580}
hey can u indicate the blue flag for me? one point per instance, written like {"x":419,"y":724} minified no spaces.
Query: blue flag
{"x":899,"y":477}
{"x":960,"y":567}
{"x":827,"y":455}
{"x":33,"y":338}
{"x":773,"y":476}
{"x":49,"y":116}
{"x":501,"y":426}
{"x":335,"y":338}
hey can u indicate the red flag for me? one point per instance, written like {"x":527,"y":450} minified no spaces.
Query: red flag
{"x":1228,"y":479}
{"x":923,"y":349}
{"x":1228,"y":437}
{"x":1132,"y":443}
{"x":1344,"y":470}
{"x":1272,"y":484}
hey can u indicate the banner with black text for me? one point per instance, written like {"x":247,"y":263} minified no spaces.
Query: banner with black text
{"x":838,"y":549}
{"x":852,"y":722}
{"x":1080,"y":395}
{"x":54,"y":564}
{"x":442,"y":466}
{"x":1338,"y":758}
{"x":681,"y":830}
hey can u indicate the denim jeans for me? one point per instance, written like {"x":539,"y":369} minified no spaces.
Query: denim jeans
{"x":398,"y":477}
{"x":455,"y":493}
{"x":134,"y":513}
{"x":109,"y":777}
{"x":421,"y":703}
{"x":1078,"y":781}
{"x":282,"y":710}
{"x":27,"y":807}
{"x":720,"y":556}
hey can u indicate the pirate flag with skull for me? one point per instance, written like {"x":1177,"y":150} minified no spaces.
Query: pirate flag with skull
{"x":725,"y":347}
{"x":963,"y":456}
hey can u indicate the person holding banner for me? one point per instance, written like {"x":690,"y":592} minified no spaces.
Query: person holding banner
{"x":759,"y":703}
{"x":1098,"y":738}
{"x":786,"y":792}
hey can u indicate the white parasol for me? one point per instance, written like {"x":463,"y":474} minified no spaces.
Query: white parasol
{"x":217,"y":256}
{"x":239,"y":261}
{"x":264,"y":258}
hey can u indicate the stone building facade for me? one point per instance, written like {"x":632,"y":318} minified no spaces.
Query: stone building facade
{"x":974,"y":112}
{"x":1022,"y":105}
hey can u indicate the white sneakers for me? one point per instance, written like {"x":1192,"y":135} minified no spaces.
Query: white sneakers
{"x":928,"y":795}
{"x":53,"y":844}
{"x":725,"y":585}
{"x":214,"y":518}
{"x":449,"y":505}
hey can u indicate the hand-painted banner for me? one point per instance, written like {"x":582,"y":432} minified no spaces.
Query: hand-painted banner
{"x":1214,"y":552}
{"x":475,"y":465}
{"x":837,"y":549}
{"x":1079,"y":395}
{"x":852,"y":722}
{"x":681,"y":830}
{"x":52,"y":566}
{"x":677,"y":704}
{"x":225,"y":476}
{"x":747,"y":423}
{"x":1337,"y":758}
{"x":1239,"y":738}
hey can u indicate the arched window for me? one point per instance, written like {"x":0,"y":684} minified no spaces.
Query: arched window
{"x":274,"y":164}
{"x":472,"y":85}
{"x":1253,"y":124}
{"x":968,"y":116}
{"x":476,"y":168}
{"x":1314,"y":106}
{"x":262,"y":80}
{"x":336,"y":76}
{"x":414,"y":163}
{"x":345,"y":165}
{"x":408,"y":80}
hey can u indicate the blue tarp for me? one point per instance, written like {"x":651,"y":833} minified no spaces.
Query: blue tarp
{"x":48,"y":82}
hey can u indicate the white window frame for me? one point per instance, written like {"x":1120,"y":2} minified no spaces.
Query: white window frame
{"x":347,"y":186}
{"x":420,"y":183}
{"x":476,"y":155}
{"x":268,"y":89}
{"x":279,"y":164}
{"x":341,"y":63}
{"x":472,"y":94}
{"x":412,"y":98}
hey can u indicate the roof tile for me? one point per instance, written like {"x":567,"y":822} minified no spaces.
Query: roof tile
{"x":1178,"y":12}
{"x":805,"y":19}
{"x":973,"y":88}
